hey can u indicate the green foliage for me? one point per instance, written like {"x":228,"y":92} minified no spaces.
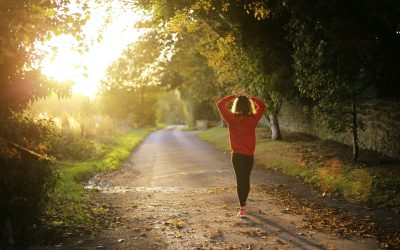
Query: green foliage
{"x":331,"y":52}
{"x":257,"y":59}
{"x":171,"y":109}
{"x":69,"y":205}
{"x":237,"y":58}
{"x":130,"y":89}
{"x":25,"y":177}
{"x":194,"y":80}
{"x":217,"y":136}
{"x":327,"y":70}
{"x":78,"y":129}
{"x":26,"y":181}
{"x":138,"y":104}
{"x":386,"y":188}
{"x":68,"y":148}
{"x":22,"y":25}
{"x":346,"y":43}
{"x":339,"y":57}
{"x":29,"y":132}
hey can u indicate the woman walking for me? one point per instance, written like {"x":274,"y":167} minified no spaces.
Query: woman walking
{"x":242,"y":120}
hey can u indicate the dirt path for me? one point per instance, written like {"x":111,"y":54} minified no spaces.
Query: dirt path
{"x":177,"y":192}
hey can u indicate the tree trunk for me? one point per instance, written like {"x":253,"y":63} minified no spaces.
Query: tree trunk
{"x":222,"y":122}
{"x":354,"y":130}
{"x":274,"y":125}
{"x":141,"y":99}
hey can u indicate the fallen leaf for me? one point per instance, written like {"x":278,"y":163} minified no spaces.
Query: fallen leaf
{"x":178,"y":224}
{"x":217,"y":233}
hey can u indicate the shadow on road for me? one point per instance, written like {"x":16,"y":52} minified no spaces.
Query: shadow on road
{"x":287,"y":234}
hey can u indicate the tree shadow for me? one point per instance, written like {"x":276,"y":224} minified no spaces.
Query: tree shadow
{"x":286,"y":235}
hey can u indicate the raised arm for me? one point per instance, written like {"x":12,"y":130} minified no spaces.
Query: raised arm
{"x":223,"y":109}
{"x":260,"y":108}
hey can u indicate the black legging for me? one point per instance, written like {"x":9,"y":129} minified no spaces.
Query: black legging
{"x":243,"y":165}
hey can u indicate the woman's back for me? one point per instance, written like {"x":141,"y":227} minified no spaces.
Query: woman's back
{"x":242,"y":134}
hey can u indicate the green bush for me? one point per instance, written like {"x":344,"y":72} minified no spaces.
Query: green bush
{"x":75,"y":149}
{"x":25,"y":183}
{"x":26,"y":178}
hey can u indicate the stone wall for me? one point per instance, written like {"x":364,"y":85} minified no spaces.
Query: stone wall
{"x":381,"y":119}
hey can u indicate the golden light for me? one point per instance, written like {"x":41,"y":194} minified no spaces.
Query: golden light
{"x":87,"y":69}
{"x":62,"y":66}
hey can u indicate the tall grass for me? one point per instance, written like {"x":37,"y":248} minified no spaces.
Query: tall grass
{"x":70,"y":201}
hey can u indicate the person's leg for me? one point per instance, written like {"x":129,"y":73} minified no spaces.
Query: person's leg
{"x":237,"y":166}
{"x":247,"y":167}
{"x":243,"y":165}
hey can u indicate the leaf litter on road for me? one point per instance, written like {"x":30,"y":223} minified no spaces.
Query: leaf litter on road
{"x":217,"y":233}
{"x":342,"y":222}
{"x":255,"y":233}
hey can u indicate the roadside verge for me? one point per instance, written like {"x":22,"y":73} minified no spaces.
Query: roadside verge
{"x":71,"y":210}
{"x":371,"y":185}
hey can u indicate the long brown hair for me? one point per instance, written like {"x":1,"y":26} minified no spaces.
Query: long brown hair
{"x":242,"y":106}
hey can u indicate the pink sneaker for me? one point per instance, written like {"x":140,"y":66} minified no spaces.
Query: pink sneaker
{"x":242,"y":213}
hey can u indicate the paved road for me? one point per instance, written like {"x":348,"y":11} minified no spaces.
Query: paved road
{"x":177,"y":192}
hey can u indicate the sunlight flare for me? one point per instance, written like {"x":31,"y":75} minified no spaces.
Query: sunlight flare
{"x":64,"y":61}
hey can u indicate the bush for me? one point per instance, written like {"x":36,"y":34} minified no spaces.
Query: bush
{"x":25,"y":183}
{"x":75,"y":149}
{"x":26,"y":178}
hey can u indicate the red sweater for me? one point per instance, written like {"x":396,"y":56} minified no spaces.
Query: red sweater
{"x":242,"y":128}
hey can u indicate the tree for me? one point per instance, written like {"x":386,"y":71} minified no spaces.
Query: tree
{"x":251,"y":71}
{"x":26,"y":178}
{"x":23,"y":23}
{"x":340,"y":51}
{"x":130,"y":87}
{"x":171,"y":108}
{"x":246,"y":52}
{"x":257,"y":59}
{"x":188,"y":72}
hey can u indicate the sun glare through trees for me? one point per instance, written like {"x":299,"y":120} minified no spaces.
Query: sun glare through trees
{"x":108,"y":31}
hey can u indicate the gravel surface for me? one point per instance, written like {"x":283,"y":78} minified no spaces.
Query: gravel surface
{"x":177,"y":192}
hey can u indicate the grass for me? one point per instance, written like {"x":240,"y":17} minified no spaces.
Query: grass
{"x":70,"y":203}
{"x":217,"y":136}
{"x":324,"y":164}
{"x":273,"y":154}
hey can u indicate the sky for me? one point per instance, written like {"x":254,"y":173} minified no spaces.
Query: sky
{"x":67,"y":64}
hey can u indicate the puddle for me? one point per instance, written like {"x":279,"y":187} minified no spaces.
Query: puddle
{"x":108,"y":187}
{"x":167,"y":190}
